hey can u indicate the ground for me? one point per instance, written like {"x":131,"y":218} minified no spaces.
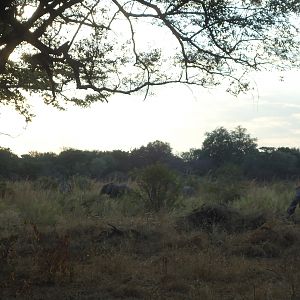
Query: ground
{"x":83,"y":245}
{"x":151,"y":257}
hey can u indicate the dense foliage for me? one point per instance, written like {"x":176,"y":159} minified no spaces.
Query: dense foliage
{"x":53,"y":47}
{"x":224,"y":153}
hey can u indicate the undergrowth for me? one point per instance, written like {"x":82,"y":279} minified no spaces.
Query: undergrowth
{"x":83,"y":245}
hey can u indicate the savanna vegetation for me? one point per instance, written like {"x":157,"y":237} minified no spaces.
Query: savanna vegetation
{"x":205,"y":224}
{"x":225,"y":237}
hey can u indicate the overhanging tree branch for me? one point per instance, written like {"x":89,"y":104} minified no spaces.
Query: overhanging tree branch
{"x":82,"y":44}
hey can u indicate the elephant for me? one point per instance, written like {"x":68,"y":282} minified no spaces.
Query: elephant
{"x":114,"y":190}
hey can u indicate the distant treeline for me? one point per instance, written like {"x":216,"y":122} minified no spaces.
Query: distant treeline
{"x":222,"y":151}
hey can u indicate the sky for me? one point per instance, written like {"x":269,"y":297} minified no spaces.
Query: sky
{"x":177,"y":114}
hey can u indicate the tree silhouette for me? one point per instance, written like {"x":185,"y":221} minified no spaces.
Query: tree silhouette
{"x":53,"y":47}
{"x":223,"y":146}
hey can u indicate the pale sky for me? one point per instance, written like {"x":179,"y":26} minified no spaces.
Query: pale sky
{"x":175,"y":114}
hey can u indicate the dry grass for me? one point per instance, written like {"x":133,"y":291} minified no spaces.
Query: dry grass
{"x":72,"y":252}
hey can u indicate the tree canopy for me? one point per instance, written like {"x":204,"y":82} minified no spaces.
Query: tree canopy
{"x":53,"y":47}
{"x":223,"y":146}
{"x":238,"y":158}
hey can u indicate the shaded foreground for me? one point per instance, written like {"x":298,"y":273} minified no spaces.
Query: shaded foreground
{"x":83,"y":245}
{"x":150,"y":257}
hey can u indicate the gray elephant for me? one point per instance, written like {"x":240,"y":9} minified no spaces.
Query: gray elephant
{"x":114,"y":190}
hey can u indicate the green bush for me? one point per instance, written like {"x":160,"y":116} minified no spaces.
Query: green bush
{"x":159,"y":187}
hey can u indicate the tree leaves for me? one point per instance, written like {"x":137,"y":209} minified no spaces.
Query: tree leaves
{"x":96,"y":46}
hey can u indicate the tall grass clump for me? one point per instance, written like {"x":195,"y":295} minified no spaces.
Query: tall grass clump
{"x":157,"y":189}
{"x":271,"y":197}
{"x":35,"y":205}
{"x":125,"y":206}
{"x":224,"y":185}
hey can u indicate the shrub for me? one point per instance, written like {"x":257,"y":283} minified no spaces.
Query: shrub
{"x":159,"y":186}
